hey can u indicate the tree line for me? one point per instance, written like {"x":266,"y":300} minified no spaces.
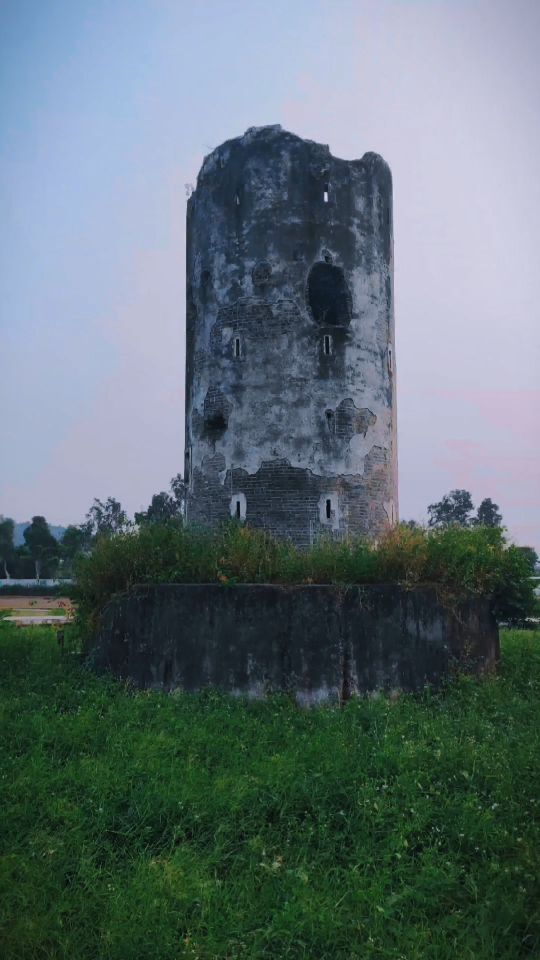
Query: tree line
{"x":457,"y":508}
{"x":43,"y":556}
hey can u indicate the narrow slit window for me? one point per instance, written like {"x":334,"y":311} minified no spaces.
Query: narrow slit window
{"x":238,"y":509}
{"x":327,"y":345}
{"x":237,"y":346}
{"x":328,"y":509}
{"x":390,"y":361}
{"x":326,"y":193}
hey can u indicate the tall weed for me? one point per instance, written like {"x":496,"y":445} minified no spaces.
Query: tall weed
{"x":459,"y":561}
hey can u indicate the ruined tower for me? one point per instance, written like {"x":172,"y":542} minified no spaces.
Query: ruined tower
{"x":290,"y":361}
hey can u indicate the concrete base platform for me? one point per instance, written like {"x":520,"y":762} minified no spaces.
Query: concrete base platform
{"x":322,"y":642}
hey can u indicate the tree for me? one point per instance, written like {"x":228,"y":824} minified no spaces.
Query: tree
{"x":530,"y":555}
{"x":162,"y":509}
{"x":22,"y":564}
{"x":165,"y":506}
{"x":75,"y":540}
{"x":106,"y":518}
{"x":178,"y":488}
{"x":7,"y":548}
{"x":487,"y":515}
{"x":42,"y":546}
{"x":454,"y":507}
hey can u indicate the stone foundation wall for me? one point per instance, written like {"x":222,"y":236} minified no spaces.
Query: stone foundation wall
{"x":320,"y":642}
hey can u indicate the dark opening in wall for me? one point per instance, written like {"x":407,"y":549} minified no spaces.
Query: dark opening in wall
{"x":216,"y":413}
{"x":328,"y":509}
{"x":327,"y":344}
{"x":216,"y":423}
{"x":237,"y":346}
{"x":261,"y":273}
{"x":328,"y":295}
{"x":326,"y":193}
{"x":238,"y":509}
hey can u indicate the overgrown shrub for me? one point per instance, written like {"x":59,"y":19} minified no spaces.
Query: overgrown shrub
{"x":459,"y":561}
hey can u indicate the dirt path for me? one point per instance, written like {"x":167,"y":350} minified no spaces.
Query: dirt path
{"x":32,"y":603}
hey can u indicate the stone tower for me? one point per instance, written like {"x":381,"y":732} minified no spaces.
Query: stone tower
{"x":290,"y":361}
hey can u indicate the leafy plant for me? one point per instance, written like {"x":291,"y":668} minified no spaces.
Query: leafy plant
{"x":455,"y":507}
{"x":41,"y":544}
{"x":7,"y":549}
{"x":460,"y":561}
{"x":487,"y":514}
{"x":107,"y":518}
{"x":165,"y":506}
{"x":530,"y":555}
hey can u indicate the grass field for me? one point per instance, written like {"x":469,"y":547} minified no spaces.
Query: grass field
{"x":142,"y":826}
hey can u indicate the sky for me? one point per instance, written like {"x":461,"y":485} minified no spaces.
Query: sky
{"x":107,"y":110}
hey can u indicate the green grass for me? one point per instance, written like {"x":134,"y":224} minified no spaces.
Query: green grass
{"x":141,"y":825}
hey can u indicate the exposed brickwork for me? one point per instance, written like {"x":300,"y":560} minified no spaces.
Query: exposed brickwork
{"x":346,"y":420}
{"x":284,"y":500}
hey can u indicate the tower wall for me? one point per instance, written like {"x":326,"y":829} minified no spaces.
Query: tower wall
{"x":290,"y":361}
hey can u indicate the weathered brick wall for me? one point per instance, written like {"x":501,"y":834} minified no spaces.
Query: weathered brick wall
{"x":290,"y":369}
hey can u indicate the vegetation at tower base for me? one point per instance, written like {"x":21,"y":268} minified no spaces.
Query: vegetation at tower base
{"x":458,"y":561}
